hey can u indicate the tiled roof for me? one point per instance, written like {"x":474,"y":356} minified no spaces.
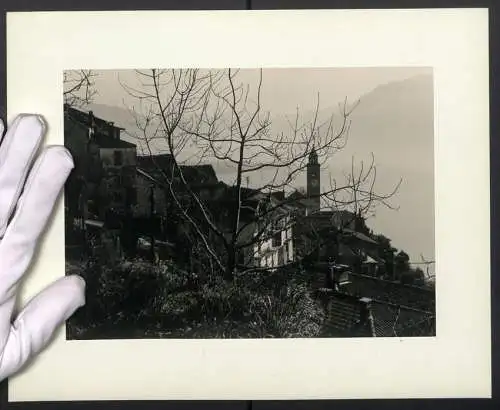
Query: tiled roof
{"x":193,"y":174}
{"x":296,"y":195}
{"x":101,"y":137}
{"x":347,"y":316}
{"x":351,"y":316}
{"x":390,"y":320}
{"x":345,"y":250}
{"x":201,"y":174}
{"x":392,"y":292}
{"x":280,"y":195}
{"x":153,"y":162}
{"x":83,"y":117}
{"x":326,"y":221}
{"x":360,"y":236}
{"x":373,"y":259}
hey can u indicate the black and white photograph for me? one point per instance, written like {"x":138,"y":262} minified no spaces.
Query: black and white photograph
{"x":256,"y":213}
{"x":251,"y":203}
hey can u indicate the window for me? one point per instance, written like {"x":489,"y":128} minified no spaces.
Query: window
{"x":117,"y":196}
{"x":118,"y":158}
{"x":277,"y":239}
{"x":241,"y":258}
{"x":131,"y":195}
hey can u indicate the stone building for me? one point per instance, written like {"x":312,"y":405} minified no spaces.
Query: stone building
{"x":101,"y":191}
{"x":104,"y":178}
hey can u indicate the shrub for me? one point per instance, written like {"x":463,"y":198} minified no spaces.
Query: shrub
{"x":162,"y":299}
{"x":291,"y":313}
{"x":128,"y":291}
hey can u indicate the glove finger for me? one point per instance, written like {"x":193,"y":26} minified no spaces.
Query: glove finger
{"x":17,"y":152}
{"x":2,"y":129}
{"x":42,"y":189}
{"x":38,"y":321}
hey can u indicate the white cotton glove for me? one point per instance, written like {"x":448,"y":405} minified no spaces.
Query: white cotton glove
{"x":29,"y":188}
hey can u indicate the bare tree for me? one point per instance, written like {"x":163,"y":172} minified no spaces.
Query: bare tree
{"x":201,"y":117}
{"x":78,"y":87}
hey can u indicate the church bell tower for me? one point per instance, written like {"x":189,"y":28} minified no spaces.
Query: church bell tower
{"x":313,"y":182}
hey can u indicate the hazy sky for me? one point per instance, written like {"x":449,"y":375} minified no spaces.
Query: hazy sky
{"x":395,"y":124}
{"x":282,"y":89}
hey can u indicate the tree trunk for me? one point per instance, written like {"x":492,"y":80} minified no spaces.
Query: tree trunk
{"x":230,"y":267}
{"x":151,"y":216}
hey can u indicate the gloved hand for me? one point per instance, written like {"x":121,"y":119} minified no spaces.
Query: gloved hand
{"x":29,"y":188}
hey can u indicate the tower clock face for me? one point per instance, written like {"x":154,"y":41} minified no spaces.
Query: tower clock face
{"x":314,"y":182}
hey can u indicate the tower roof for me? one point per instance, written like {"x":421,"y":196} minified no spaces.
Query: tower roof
{"x":313,"y":157}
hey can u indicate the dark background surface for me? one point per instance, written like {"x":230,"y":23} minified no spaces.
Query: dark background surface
{"x":49,"y":5}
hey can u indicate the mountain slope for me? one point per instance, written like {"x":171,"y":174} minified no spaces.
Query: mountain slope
{"x":396,"y":123}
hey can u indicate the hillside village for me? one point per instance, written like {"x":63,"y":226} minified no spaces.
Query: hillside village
{"x":119,"y":209}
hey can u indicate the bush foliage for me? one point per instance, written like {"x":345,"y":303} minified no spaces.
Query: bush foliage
{"x":139,"y":299}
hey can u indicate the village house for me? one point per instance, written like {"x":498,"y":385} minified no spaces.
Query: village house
{"x":101,"y":190}
{"x":300,"y":229}
{"x":105,"y":166}
{"x":344,"y":268}
{"x":165,"y":191}
{"x":158,"y":187}
{"x":275,"y":246}
{"x":111,"y":187}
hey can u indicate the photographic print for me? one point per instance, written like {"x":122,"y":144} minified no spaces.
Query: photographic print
{"x":280,"y":209}
{"x":251,"y":203}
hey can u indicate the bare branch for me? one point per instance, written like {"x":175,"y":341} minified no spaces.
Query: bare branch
{"x":201,"y":117}
{"x":78,"y":87}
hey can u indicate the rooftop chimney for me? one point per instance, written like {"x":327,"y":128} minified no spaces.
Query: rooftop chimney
{"x":111,"y":130}
{"x":365,"y":309}
{"x":91,"y":124}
